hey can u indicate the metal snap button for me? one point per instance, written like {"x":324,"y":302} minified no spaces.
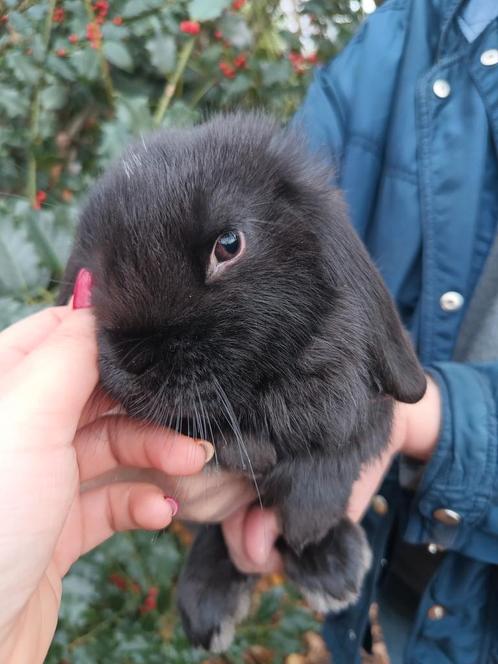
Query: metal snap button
{"x":436,"y":612}
{"x":448,"y":517}
{"x":434,"y":548}
{"x":441,"y":88}
{"x":380,"y":505}
{"x":490,"y":57}
{"x":451,"y":301}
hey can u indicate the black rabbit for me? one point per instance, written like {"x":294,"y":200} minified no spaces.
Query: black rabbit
{"x":235,"y":302}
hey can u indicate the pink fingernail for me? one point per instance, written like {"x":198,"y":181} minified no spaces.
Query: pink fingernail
{"x":173,"y":504}
{"x":82,"y":293}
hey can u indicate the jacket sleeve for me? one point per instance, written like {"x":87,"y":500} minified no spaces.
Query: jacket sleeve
{"x":456,"y":502}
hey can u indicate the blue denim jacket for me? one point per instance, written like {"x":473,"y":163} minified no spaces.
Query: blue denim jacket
{"x":407,"y":115}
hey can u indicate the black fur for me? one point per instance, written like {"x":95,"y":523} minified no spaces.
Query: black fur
{"x":296,"y":351}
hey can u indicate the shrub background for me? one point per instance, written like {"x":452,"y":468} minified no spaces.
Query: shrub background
{"x":78,"y":80}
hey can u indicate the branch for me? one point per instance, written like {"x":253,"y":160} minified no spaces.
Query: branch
{"x":170,"y":89}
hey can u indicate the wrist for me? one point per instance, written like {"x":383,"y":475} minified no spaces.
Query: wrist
{"x":422,"y":424}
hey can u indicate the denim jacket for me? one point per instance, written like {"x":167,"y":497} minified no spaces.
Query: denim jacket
{"x":407,"y":115}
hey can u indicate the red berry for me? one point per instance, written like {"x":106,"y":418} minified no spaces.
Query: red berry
{"x":58,"y":15}
{"x":73,"y":39}
{"x":190,"y":27}
{"x":295,"y":57}
{"x":119,"y":581}
{"x":312,"y":58}
{"x":93,"y":35}
{"x":238,"y":4}
{"x":150,"y":601}
{"x":117,"y":20}
{"x":227,"y":70}
{"x":240,"y":61}
{"x":102,"y":8}
{"x":4,"y":18}
{"x":218,"y":35}
{"x":61,"y":52}
{"x":40,"y":198}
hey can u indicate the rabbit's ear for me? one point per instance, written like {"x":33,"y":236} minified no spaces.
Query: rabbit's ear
{"x":396,"y":368}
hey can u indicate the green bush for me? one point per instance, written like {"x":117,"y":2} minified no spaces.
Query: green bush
{"x":78,"y":80}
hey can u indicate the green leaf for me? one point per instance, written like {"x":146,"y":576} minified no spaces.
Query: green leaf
{"x":236,"y":31}
{"x":86,"y":63}
{"x":37,"y":48}
{"x":162,"y":50}
{"x":22,"y":67}
{"x":134,"y":113}
{"x":20,"y":268}
{"x":13,"y":103}
{"x":114,"y":32}
{"x":59,"y":67}
{"x":276,"y":72}
{"x":118,"y":55}
{"x":53,"y":97}
{"x":136,"y":7}
{"x":180,"y":114}
{"x":37,"y":11}
{"x":238,"y":86}
{"x":20,"y":23}
{"x":12,"y":310}
{"x":206,"y":10}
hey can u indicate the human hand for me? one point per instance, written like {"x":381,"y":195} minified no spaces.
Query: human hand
{"x":250,"y":533}
{"x":54,"y":437}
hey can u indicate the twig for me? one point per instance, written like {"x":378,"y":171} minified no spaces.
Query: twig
{"x":202,"y":91}
{"x":35,"y":112}
{"x":170,"y":88}
{"x":31,"y":171}
{"x":104,"y":65}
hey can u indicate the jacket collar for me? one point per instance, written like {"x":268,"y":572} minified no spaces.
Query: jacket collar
{"x":449,"y":11}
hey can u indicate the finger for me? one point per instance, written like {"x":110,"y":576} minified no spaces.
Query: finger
{"x":117,"y":507}
{"x":250,"y":535}
{"x":262,"y":529}
{"x":116,"y":440}
{"x":20,"y":339}
{"x":99,"y":404}
{"x":56,"y":379}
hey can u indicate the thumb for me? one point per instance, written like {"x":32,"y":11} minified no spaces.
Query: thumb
{"x":55,"y":380}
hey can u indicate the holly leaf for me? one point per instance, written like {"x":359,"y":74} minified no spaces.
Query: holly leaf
{"x":206,"y":10}
{"x":136,"y":7}
{"x":20,"y":268}
{"x":162,"y":50}
{"x":236,"y":31}
{"x":13,"y":103}
{"x":118,"y":55}
{"x":53,"y":97}
{"x":86,"y":63}
{"x":276,"y":72}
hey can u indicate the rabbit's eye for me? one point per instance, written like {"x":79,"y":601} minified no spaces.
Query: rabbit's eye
{"x":227,"y":250}
{"x":228,"y":246}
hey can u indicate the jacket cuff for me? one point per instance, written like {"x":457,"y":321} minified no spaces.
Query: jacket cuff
{"x":456,"y":489}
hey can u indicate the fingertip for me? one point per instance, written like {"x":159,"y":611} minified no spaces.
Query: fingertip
{"x":181,"y":455}
{"x":208,"y":449}
{"x":173,"y":505}
{"x":149,"y":509}
{"x":261,"y":533}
